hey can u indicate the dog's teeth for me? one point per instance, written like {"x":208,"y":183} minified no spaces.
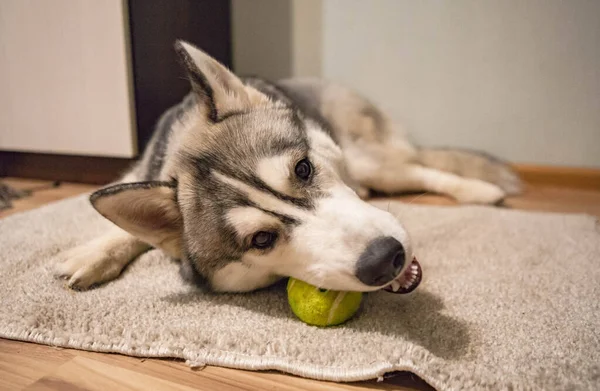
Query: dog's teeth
{"x":395,"y":285}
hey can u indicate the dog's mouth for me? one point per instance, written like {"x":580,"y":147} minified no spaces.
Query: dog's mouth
{"x":408,"y":281}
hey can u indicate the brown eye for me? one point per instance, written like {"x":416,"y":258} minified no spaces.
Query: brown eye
{"x":303,"y":169}
{"x":263,"y":239}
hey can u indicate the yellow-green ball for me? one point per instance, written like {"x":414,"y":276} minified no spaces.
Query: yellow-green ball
{"x":321,"y":308}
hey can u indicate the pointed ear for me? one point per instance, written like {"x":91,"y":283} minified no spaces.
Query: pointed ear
{"x":220,"y":92}
{"x":147,"y":210}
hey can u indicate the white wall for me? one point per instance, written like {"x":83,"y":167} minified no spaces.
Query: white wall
{"x":307,"y":38}
{"x":64,"y":77}
{"x":520,"y":79}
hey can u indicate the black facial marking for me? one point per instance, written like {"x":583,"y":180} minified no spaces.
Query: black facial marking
{"x":305,"y":203}
{"x":203,"y":166}
{"x":285,"y":219}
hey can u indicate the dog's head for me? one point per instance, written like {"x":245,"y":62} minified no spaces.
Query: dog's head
{"x":258,"y":190}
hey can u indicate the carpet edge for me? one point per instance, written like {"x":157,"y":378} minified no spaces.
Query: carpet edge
{"x":250,"y":363}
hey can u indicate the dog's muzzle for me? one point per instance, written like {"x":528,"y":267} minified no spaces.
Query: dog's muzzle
{"x":382,"y":264}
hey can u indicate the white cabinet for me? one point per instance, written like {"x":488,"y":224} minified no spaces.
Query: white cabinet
{"x":65,"y":80}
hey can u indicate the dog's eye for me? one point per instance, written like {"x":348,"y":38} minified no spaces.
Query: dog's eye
{"x":303,"y":169}
{"x":263,"y":239}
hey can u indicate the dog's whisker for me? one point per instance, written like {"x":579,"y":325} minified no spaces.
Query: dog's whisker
{"x":397,"y":215}
{"x":417,"y":197}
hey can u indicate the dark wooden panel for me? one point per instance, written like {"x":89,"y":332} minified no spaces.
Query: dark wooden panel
{"x":84,"y":169}
{"x":155,"y":25}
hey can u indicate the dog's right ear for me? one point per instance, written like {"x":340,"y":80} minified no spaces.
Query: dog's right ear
{"x":147,"y":210}
{"x":219,"y":91}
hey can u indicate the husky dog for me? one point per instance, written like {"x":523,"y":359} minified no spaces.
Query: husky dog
{"x":247,"y":181}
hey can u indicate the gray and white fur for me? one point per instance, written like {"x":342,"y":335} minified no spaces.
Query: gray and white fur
{"x":247,"y":181}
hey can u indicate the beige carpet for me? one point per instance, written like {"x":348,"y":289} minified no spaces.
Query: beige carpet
{"x":510,"y":300}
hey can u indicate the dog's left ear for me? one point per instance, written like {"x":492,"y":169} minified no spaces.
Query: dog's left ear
{"x":147,"y":210}
{"x":219,"y":91}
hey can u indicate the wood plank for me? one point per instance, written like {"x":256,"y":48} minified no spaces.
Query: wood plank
{"x":535,"y":197}
{"x":81,"y":373}
{"x":218,"y":378}
{"x":43,"y":193}
{"x":572,"y":177}
{"x":22,"y":363}
{"x":557,"y":199}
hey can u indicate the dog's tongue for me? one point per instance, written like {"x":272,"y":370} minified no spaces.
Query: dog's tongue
{"x":407,"y":281}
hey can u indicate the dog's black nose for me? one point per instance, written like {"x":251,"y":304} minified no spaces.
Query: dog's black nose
{"x":381,"y":261}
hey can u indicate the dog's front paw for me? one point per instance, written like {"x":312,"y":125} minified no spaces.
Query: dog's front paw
{"x":85,"y":266}
{"x":478,"y":192}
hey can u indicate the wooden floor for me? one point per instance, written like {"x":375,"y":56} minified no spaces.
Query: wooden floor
{"x":36,"y":367}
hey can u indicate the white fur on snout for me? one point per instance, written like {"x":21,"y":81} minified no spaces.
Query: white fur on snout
{"x":275,"y":172}
{"x":324,"y":248}
{"x":334,"y":239}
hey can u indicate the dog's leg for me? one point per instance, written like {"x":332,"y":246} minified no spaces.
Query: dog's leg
{"x":414,"y":177}
{"x":99,"y":260}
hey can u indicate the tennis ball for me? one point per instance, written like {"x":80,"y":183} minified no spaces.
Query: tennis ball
{"x":320,"y":307}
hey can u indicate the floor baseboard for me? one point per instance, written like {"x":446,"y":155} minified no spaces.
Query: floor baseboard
{"x":572,"y":177}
